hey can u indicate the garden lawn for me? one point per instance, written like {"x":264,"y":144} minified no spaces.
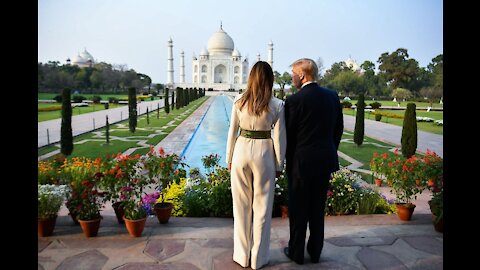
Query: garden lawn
{"x":402,"y":104}
{"x":423,"y":126}
{"x":364,"y":152}
{"x":50,"y":115}
{"x":91,"y":145}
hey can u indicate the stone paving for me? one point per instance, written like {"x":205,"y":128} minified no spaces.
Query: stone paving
{"x":351,"y":242}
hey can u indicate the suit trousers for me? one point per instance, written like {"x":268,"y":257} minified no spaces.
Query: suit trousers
{"x":307,"y":205}
{"x":253,"y":189}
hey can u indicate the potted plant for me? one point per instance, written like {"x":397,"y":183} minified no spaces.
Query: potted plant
{"x":210,"y":161}
{"x":401,"y":176}
{"x":115,"y":175}
{"x":164,"y":169}
{"x":50,"y":172}
{"x":89,"y":205}
{"x":50,"y":199}
{"x":433,"y":171}
{"x":436,"y":207}
{"x":77,"y":170}
{"x":378,"y":167}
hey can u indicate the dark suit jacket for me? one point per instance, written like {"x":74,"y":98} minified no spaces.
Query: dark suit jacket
{"x":314,"y":122}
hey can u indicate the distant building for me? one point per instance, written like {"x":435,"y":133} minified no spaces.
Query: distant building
{"x":220,"y":67}
{"x":82,"y":59}
{"x":352,"y":64}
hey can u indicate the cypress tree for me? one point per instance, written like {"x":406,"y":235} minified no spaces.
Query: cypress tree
{"x":360,"y":121}
{"x":158,"y":110}
{"x":167,"y":106}
{"x":132,"y":109}
{"x":148,"y":118}
{"x":173,"y":99}
{"x":179,"y":98}
{"x":409,"y":131}
{"x":66,"y":136}
{"x":107,"y":130}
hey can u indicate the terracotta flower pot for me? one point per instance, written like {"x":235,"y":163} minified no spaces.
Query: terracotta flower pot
{"x":284,"y":210}
{"x":90,"y":227}
{"x":163,"y":211}
{"x":46,"y":226}
{"x":405,"y":212}
{"x":378,"y":182}
{"x":119,"y":212}
{"x":135,"y":226}
{"x":437,"y":224}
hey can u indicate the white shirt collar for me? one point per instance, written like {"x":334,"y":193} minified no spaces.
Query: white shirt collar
{"x":306,"y":83}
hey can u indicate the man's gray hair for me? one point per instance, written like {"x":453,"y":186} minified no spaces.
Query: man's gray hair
{"x":308,"y":66}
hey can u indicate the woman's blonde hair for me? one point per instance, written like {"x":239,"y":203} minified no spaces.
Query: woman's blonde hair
{"x":259,"y":89}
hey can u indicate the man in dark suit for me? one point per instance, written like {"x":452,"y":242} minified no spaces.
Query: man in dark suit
{"x":314,"y":122}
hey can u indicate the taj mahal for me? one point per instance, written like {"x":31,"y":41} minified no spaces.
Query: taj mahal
{"x":220,"y":67}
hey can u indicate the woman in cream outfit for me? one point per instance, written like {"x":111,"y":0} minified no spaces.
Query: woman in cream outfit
{"x":255,"y":158}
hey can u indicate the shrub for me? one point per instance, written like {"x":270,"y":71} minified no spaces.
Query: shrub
{"x":210,"y":161}
{"x":66,"y":136}
{"x":113,"y":100}
{"x":58,"y":98}
{"x":409,"y":131}
{"x":132,"y":109}
{"x":175,"y":193}
{"x":360,"y":121}
{"x":78,"y":99}
{"x":378,"y":117}
{"x":96,"y":99}
{"x":281,"y":190}
{"x":346,"y":104}
{"x":385,"y":206}
{"x":367,"y":202}
{"x":167,"y":105}
{"x":220,"y":202}
{"x":375,"y":105}
{"x":343,"y":193}
{"x":196,"y":200}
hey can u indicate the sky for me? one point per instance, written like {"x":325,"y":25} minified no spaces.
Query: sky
{"x":135,"y":33}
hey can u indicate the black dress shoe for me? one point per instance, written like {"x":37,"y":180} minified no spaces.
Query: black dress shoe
{"x":314,"y":260}
{"x":287,"y":253}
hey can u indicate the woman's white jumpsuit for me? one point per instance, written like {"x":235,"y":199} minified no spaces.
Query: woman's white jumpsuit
{"x":254,"y":163}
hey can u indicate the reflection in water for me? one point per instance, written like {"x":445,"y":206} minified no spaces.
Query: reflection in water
{"x":211,"y":135}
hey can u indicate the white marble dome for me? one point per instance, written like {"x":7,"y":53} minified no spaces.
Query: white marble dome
{"x":203,"y":52}
{"x":83,"y":59}
{"x":86,"y":55}
{"x":236,"y":53}
{"x":220,"y":43}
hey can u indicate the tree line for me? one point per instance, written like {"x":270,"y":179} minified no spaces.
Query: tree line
{"x":398,"y":76}
{"x":100,"y":78}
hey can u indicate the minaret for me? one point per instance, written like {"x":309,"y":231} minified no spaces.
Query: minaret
{"x":182,"y":67}
{"x":258,"y":57}
{"x":270,"y":53}
{"x":170,"y":62}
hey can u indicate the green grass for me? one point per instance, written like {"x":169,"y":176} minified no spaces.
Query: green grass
{"x":98,"y":148}
{"x":364,"y":152}
{"x":402,"y":104}
{"x":88,"y":96}
{"x":423,"y":126}
{"x":366,"y":177}
{"x":343,"y":162}
{"x":45,"y":116}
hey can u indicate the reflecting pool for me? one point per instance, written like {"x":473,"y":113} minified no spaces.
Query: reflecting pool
{"x":211,"y":134}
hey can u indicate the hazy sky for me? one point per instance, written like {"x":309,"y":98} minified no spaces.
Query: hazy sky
{"x":135,"y":33}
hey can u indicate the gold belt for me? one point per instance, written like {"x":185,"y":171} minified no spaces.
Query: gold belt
{"x":255,"y":134}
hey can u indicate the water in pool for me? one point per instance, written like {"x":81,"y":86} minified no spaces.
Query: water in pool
{"x":211,"y":134}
